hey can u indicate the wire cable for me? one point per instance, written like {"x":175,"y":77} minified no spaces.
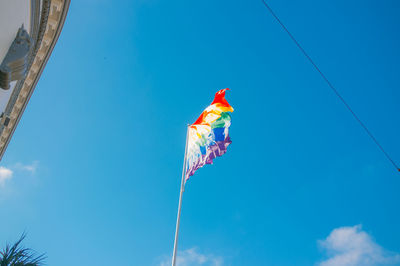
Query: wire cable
{"x":331,"y":86}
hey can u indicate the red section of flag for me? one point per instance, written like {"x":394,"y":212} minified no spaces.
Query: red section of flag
{"x":219,"y":98}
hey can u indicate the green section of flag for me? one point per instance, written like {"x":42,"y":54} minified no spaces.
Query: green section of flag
{"x":223,"y":121}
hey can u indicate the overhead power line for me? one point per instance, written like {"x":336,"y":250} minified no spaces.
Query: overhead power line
{"x":331,"y":86}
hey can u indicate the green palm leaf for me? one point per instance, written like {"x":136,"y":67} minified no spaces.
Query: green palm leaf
{"x":17,"y":255}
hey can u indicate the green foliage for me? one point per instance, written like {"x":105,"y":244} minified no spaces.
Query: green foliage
{"x":17,"y":255}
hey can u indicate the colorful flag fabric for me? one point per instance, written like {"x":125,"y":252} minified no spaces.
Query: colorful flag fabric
{"x":209,"y":135}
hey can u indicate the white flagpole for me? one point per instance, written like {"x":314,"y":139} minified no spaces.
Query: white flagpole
{"x":180,"y":201}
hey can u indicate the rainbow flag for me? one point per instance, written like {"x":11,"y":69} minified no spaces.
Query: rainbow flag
{"x":209,"y":135}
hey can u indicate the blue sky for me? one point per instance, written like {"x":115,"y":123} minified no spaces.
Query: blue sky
{"x":97,"y":157}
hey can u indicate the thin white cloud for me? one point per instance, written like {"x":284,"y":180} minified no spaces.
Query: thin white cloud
{"x":351,"y":246}
{"x":191,"y":257}
{"x":28,"y":167}
{"x":5,"y":174}
{"x":9,"y":172}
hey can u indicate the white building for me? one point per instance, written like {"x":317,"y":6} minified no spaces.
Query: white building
{"x":29,"y":30}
